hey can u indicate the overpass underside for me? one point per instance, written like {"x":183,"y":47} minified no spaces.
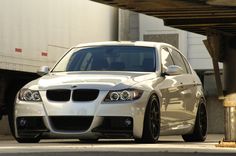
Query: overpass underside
{"x":197,"y":16}
{"x":214,"y":18}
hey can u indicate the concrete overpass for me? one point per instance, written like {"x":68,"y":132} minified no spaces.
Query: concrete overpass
{"x":214,"y":18}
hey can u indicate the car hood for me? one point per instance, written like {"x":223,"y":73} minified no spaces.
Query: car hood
{"x":92,"y":80}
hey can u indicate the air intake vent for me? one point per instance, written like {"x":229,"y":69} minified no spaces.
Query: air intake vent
{"x":59,"y":95}
{"x":85,"y":94}
{"x":71,"y":123}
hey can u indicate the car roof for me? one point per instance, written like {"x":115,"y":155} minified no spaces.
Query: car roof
{"x":125,"y":43}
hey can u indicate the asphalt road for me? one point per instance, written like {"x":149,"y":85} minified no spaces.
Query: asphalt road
{"x":167,"y":146}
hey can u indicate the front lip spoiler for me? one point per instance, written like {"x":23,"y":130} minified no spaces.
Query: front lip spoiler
{"x":99,"y":130}
{"x":31,"y":133}
{"x":115,"y":133}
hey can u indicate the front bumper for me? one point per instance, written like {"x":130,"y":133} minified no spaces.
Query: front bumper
{"x":70,"y":119}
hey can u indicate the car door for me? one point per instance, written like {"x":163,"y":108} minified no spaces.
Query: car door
{"x":170,"y":88}
{"x":187,"y":89}
{"x":177,"y":90}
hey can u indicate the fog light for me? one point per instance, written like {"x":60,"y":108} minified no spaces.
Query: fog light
{"x":23,"y":122}
{"x":128,"y":122}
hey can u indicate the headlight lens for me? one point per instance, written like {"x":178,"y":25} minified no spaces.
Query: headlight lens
{"x":29,"y":95}
{"x":123,"y":95}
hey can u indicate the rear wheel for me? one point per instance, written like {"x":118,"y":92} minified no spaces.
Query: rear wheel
{"x":200,"y":128}
{"x":151,"y":129}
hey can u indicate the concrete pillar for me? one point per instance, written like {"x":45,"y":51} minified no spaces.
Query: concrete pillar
{"x":230,"y":90}
{"x":222,"y":48}
{"x":128,"y":25}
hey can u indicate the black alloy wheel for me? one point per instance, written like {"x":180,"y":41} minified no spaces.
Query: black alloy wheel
{"x":151,"y":130}
{"x":200,"y":129}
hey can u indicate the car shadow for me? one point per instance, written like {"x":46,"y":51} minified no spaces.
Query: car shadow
{"x":103,"y":142}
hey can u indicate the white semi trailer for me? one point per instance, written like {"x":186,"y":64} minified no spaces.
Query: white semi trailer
{"x":35,"y":33}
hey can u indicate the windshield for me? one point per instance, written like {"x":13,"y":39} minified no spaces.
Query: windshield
{"x":108,"y":58}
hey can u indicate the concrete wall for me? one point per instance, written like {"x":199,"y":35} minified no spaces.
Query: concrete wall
{"x":154,"y":26}
{"x":215,"y":107}
{"x":190,"y":44}
{"x":197,"y":52}
{"x":128,"y":26}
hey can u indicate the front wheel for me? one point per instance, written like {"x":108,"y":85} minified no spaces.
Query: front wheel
{"x":151,"y":129}
{"x":200,"y":128}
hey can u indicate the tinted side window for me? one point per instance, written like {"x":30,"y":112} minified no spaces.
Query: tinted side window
{"x":187,"y":65}
{"x":166,"y":59}
{"x":178,"y":60}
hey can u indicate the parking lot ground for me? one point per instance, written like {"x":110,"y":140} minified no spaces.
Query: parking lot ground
{"x":167,"y":145}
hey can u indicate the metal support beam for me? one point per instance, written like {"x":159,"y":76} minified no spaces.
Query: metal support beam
{"x":214,"y":51}
{"x":217,"y":20}
{"x":215,"y":61}
{"x":222,"y":2}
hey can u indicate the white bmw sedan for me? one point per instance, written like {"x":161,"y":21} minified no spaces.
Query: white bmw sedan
{"x":138,"y":90}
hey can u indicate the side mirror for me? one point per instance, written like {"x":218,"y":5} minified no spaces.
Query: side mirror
{"x":43,"y":70}
{"x":174,"y":70}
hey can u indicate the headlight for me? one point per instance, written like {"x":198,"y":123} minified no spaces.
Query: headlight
{"x":29,"y":95}
{"x":123,"y":95}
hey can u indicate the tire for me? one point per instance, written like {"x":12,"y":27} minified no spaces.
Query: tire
{"x":24,"y":140}
{"x":200,"y":128}
{"x":151,"y":129}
